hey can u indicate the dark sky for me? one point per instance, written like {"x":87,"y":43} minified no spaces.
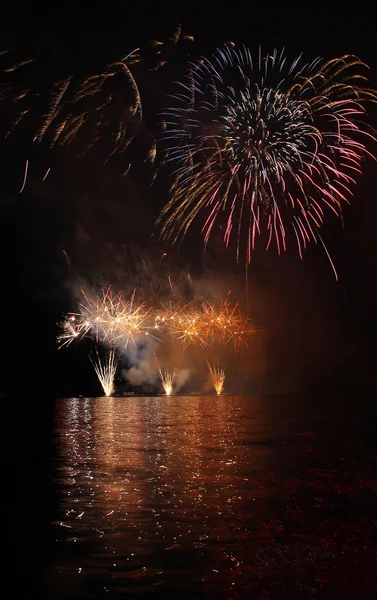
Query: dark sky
{"x":319,"y":334}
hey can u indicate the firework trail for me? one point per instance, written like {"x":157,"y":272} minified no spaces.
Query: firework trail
{"x":105,"y":371}
{"x":47,"y":172}
{"x":65,"y":253}
{"x":101,"y":106}
{"x":264,"y":147}
{"x":25,"y":176}
{"x":218,"y":377}
{"x":103,"y":102}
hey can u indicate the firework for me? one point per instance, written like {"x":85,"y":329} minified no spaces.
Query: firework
{"x":25,"y":176}
{"x":224,"y":322}
{"x":185,"y":324}
{"x":203,"y":324}
{"x":264,"y":147}
{"x":105,"y":371}
{"x":69,"y":331}
{"x":101,"y":106}
{"x":218,"y":377}
{"x":167,"y":380}
{"x":105,"y":105}
{"x":108,"y":318}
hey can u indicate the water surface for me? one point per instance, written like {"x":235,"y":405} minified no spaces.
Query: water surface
{"x":214,"y":497}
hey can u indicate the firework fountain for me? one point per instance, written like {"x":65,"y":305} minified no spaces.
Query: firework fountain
{"x":218,"y":377}
{"x":167,"y":380}
{"x":105,"y":370}
{"x":111,"y":320}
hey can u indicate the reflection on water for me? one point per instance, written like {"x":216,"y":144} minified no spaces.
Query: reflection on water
{"x":201,"y":497}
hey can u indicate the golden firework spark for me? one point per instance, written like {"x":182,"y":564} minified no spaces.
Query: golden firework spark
{"x":218,"y":377}
{"x":167,"y":379}
{"x":186,"y":325}
{"x":205,"y":324}
{"x":86,"y":107}
{"x":109,"y":318}
{"x":105,"y":371}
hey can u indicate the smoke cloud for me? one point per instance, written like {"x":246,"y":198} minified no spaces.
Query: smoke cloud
{"x":142,"y":357}
{"x":181,"y":378}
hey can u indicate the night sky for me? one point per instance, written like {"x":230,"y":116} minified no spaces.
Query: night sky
{"x":319,"y":334}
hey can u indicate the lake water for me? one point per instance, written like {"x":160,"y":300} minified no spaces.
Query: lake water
{"x":214,"y":497}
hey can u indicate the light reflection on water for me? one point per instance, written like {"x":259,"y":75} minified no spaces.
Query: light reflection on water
{"x":196,"y":497}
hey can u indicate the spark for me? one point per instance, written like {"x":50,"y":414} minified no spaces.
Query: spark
{"x":67,"y":258}
{"x":47,"y":172}
{"x":167,"y":380}
{"x":218,"y":377}
{"x":108,"y":318}
{"x":25,"y":176}
{"x":105,"y":370}
{"x":264,"y":148}
{"x":102,"y":105}
{"x":203,"y":324}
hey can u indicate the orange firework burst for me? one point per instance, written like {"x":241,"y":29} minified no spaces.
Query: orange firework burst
{"x":187,"y":326}
{"x":222,"y":323}
{"x":204,"y":324}
{"x":112,"y":320}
